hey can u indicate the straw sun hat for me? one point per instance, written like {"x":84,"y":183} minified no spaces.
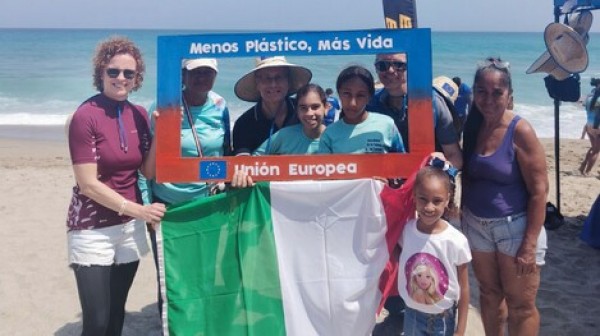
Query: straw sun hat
{"x":245,"y":88}
{"x":566,"y":51}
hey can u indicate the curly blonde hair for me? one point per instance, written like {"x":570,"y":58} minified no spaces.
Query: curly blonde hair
{"x":117,"y":45}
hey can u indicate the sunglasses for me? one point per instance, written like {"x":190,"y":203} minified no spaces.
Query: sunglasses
{"x":383,"y":66}
{"x":495,"y":62}
{"x":114,"y":73}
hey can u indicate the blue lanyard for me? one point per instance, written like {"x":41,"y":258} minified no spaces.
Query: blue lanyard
{"x":272,"y":129}
{"x":268,"y":150}
{"x":404,"y":110}
{"x":188,"y":113}
{"x":122,"y":134}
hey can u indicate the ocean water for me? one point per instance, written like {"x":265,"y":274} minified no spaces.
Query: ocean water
{"x":46,"y":74}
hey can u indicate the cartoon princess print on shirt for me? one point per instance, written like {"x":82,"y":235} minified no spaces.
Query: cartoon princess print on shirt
{"x":427,"y":279}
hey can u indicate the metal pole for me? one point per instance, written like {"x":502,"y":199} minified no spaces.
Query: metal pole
{"x":557,"y":152}
{"x":557,"y":133}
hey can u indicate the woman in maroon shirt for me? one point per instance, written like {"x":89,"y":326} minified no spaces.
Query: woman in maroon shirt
{"x":109,"y":141}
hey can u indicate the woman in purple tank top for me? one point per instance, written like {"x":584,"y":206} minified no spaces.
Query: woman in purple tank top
{"x":505,"y":185}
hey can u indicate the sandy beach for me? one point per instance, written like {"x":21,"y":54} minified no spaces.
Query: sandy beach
{"x":38,"y":291}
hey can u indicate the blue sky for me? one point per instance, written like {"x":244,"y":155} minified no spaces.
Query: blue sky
{"x":439,"y":15}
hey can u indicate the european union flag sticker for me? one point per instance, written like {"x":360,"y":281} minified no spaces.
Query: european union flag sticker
{"x":213,"y":170}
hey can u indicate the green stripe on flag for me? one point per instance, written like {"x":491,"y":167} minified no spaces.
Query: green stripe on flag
{"x":221,"y":270}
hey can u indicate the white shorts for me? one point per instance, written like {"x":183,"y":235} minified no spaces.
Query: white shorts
{"x":117,"y":244}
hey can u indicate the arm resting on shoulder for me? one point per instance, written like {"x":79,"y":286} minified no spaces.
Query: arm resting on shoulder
{"x":453,"y":154}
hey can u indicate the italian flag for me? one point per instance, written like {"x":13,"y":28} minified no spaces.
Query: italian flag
{"x":281,"y":258}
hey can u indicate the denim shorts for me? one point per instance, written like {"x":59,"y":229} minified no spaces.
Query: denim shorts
{"x":504,"y":234}
{"x":117,"y":244}
{"x":417,"y":323}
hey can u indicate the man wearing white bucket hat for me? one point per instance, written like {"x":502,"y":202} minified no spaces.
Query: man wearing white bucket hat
{"x":270,"y":84}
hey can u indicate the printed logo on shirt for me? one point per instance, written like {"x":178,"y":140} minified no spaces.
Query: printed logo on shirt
{"x":426,"y":278}
{"x":374,"y":146}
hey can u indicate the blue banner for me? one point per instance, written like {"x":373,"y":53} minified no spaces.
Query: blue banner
{"x":416,"y":43}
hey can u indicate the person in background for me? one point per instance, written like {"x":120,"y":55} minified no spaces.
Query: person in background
{"x":109,"y":141}
{"x":434,"y":278}
{"x":334,"y":107}
{"x":463,"y":102}
{"x":591,"y":128}
{"x":448,"y":91}
{"x":505,"y":185}
{"x":392,"y":101}
{"x":270,"y":84}
{"x":359,"y":131}
{"x":302,"y":138}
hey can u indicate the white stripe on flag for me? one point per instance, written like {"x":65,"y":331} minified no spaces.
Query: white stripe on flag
{"x":331,"y":250}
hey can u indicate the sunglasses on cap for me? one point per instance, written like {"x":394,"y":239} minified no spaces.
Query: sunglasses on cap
{"x":114,"y":73}
{"x":495,"y":62}
{"x":382,"y":66}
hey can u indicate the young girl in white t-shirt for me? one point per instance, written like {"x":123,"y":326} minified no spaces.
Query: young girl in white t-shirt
{"x":434,"y":280}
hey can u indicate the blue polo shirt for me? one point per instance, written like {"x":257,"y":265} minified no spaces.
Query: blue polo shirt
{"x":445,"y":133}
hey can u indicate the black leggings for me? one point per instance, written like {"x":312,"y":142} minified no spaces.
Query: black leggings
{"x":103,"y":292}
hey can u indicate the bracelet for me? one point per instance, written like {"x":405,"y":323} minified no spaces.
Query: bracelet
{"x":122,"y":208}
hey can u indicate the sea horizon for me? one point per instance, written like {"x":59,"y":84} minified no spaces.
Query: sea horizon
{"x":46,"y":73}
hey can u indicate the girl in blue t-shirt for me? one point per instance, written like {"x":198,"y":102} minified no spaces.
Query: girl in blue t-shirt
{"x":302,"y":138}
{"x":359,"y":131}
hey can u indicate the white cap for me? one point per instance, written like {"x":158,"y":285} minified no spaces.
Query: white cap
{"x":191,"y":64}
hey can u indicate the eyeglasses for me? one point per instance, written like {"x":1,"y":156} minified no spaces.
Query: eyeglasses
{"x":383,"y":66}
{"x":114,"y":73}
{"x":269,"y":79}
{"x":496,"y":62}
